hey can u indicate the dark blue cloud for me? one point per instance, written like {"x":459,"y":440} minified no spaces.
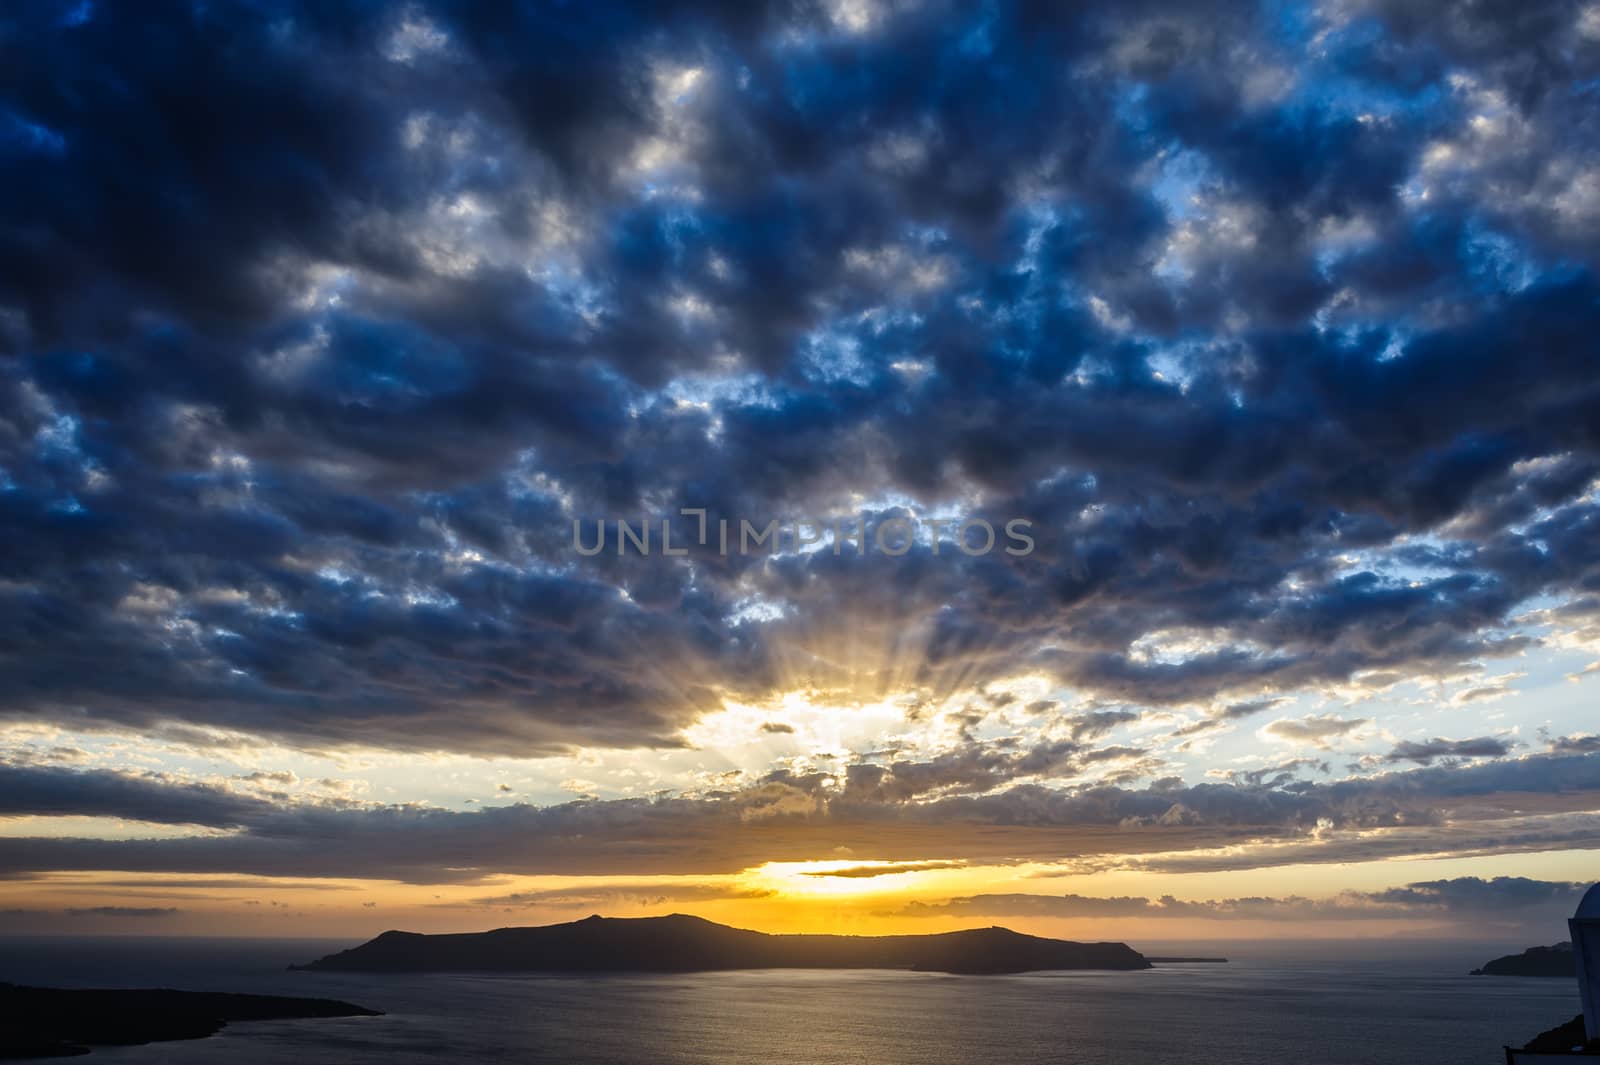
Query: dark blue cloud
{"x":323,"y":322}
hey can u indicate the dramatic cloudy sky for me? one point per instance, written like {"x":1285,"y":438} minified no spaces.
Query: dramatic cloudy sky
{"x":321,"y":325}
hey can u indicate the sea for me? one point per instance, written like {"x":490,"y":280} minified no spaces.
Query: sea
{"x":1341,"y":1003}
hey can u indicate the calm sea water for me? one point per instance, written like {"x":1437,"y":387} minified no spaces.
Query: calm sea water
{"x":1338,"y":1004}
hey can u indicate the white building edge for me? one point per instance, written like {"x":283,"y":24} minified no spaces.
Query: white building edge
{"x":1585,"y":928}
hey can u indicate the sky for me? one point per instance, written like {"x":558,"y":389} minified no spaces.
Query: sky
{"x":1181,"y":421}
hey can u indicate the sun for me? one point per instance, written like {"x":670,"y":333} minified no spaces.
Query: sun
{"x":846,"y":878}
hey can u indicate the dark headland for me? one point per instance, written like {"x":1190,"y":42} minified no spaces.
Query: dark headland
{"x":40,"y":1022}
{"x":681,"y":943}
{"x":1535,"y":961}
{"x":1565,"y":1039}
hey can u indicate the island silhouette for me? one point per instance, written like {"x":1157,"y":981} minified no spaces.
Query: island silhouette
{"x":1556,"y":961}
{"x":682,"y":943}
{"x":44,"y":1022}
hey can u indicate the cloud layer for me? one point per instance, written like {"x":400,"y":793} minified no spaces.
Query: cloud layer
{"x":321,"y":326}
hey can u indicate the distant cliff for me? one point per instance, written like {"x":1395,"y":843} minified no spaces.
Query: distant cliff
{"x":1535,"y":961}
{"x":41,"y":1022}
{"x":690,"y":944}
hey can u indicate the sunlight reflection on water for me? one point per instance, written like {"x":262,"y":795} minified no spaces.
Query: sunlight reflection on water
{"x":1347,"y":1011}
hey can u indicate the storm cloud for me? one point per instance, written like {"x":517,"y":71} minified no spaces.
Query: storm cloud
{"x":322,"y":324}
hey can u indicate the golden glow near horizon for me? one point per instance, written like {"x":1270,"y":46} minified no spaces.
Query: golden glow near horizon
{"x":847,"y":879}
{"x":830,"y":895}
{"x":1154,"y":878}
